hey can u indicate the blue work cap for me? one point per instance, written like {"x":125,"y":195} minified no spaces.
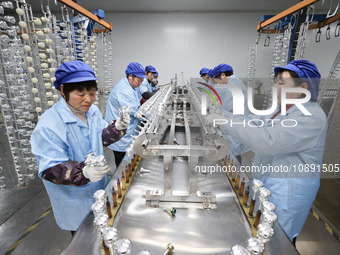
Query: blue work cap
{"x":74,"y":71}
{"x":150,"y":69}
{"x":204,"y":71}
{"x":211,"y":72}
{"x":307,"y":71}
{"x":155,"y":74}
{"x":221,"y":68}
{"x":135,"y":69}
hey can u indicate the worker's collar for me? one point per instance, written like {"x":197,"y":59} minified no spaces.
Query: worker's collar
{"x":66,"y":113}
{"x":230,"y":78}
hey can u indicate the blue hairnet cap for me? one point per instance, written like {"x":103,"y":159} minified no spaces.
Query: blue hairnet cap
{"x":307,"y":71}
{"x":204,"y":71}
{"x":155,"y":74}
{"x":221,"y":68}
{"x":211,"y":72}
{"x":135,"y":69}
{"x":74,"y":71}
{"x":150,"y":69}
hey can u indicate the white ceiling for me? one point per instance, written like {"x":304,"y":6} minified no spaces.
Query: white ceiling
{"x":265,"y":6}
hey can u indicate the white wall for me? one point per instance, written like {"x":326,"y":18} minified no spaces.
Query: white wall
{"x":323,"y":53}
{"x":182,"y":42}
{"x":186,"y":42}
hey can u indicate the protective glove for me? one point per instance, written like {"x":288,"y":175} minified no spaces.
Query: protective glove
{"x":95,"y":173}
{"x":123,"y":121}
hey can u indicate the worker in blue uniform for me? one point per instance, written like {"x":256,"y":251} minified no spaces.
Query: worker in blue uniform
{"x":204,"y":73}
{"x":125,"y":93}
{"x":207,"y":74}
{"x":299,"y":148}
{"x":154,"y":82}
{"x":64,"y":135}
{"x":223,"y":78}
{"x":146,"y":89}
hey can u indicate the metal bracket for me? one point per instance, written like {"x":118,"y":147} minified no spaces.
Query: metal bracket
{"x":318,"y":35}
{"x":337,"y":28}
{"x":267,"y":41}
{"x":181,"y":199}
{"x":328,"y":32}
{"x":329,"y":15}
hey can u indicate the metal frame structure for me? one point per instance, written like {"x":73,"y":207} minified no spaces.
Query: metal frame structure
{"x":182,"y":111}
{"x":85,"y":12}
{"x":302,"y":22}
{"x":291,"y":10}
{"x":328,"y":19}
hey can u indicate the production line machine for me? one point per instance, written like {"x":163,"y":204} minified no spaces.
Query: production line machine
{"x":167,"y":202}
{"x":174,"y":129}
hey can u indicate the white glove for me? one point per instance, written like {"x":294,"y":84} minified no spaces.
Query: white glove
{"x":95,"y":173}
{"x":123,"y":121}
{"x":215,"y":120}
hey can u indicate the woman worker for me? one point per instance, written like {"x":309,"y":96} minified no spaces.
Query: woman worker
{"x":125,"y":93}
{"x":154,"y":82}
{"x":223,"y":78}
{"x":296,"y":146}
{"x":204,"y":74}
{"x":146,"y":88}
{"x":64,"y":135}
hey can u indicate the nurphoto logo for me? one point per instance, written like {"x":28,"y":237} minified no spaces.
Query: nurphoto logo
{"x":238,"y":100}
{"x":238,"y":105}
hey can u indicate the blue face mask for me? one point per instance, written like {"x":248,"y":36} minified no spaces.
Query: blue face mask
{"x":154,"y":80}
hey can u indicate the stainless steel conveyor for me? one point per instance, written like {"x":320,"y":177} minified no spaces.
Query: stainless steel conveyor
{"x":191,"y":231}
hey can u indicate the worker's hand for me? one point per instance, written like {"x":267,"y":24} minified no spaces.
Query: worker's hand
{"x":215,"y":120}
{"x":95,"y":173}
{"x":123,"y":121}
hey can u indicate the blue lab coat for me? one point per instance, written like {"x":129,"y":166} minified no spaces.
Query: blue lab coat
{"x":227,"y":105}
{"x":61,"y":136}
{"x":156,"y":87}
{"x":123,"y":94}
{"x":138,"y":93}
{"x":209,"y":83}
{"x":145,"y":86}
{"x":227,"y":97}
{"x":292,"y":192}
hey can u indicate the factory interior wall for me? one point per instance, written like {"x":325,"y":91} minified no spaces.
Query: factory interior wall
{"x":177,"y":43}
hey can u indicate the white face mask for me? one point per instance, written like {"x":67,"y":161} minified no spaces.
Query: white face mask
{"x":154,"y":80}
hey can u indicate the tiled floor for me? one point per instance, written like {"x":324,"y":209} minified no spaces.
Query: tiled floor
{"x":328,"y":200}
{"x":315,"y":240}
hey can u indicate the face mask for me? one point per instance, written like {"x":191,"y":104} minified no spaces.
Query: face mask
{"x":154,"y":80}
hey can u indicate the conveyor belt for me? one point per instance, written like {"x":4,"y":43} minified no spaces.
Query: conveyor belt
{"x":191,"y":231}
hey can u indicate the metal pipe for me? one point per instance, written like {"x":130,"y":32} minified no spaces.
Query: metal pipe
{"x":145,"y":143}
